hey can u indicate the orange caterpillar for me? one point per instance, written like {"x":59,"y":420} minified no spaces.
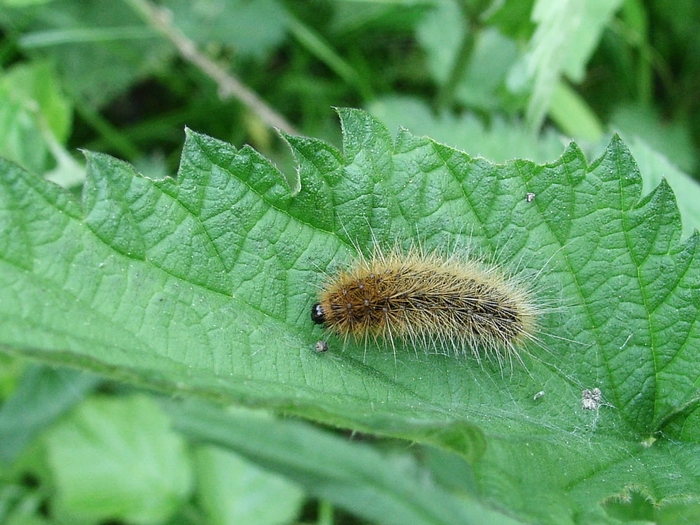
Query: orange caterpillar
{"x":451,"y":304}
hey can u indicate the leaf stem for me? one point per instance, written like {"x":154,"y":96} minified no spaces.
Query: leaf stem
{"x":229,"y":85}
{"x":446,"y":94}
{"x":316,"y":45}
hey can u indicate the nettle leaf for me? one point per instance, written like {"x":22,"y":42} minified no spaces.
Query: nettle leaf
{"x":204,"y":285}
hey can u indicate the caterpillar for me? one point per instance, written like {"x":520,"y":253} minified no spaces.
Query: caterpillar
{"x":453,"y":304}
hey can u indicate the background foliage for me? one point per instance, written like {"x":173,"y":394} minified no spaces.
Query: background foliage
{"x":503,"y":80}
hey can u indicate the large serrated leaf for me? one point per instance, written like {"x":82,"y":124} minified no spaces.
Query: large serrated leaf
{"x":204,"y":284}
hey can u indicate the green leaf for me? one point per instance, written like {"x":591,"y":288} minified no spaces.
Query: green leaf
{"x":204,"y":285}
{"x":655,"y":167}
{"x":42,"y":395}
{"x":673,"y":138}
{"x":566,"y":35}
{"x":100,"y":48}
{"x":441,"y":34}
{"x":233,"y":490}
{"x":34,"y":115}
{"x":383,"y":488}
{"x":500,"y":141}
{"x":581,"y":44}
{"x":252,"y":28}
{"x":118,"y":459}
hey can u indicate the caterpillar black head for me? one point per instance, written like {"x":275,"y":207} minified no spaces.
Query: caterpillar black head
{"x":318,"y":316}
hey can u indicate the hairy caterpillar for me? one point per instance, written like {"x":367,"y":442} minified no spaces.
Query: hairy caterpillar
{"x":452,"y":304}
